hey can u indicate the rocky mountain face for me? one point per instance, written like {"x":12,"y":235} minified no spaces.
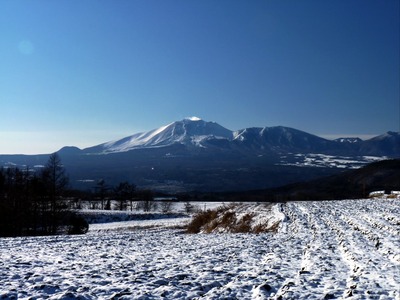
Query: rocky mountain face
{"x":193,"y":154}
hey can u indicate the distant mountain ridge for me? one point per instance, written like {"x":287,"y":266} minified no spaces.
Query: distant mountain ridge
{"x":195,"y":132}
{"x":196,"y":155}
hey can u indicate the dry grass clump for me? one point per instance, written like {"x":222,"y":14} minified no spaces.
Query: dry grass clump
{"x":227,"y":219}
{"x":392,"y":196}
{"x":244,"y":224}
{"x":200,"y":220}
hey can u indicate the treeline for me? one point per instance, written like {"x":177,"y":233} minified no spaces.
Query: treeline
{"x":33,"y":203}
{"x":123,"y":196}
{"x":41,"y":203}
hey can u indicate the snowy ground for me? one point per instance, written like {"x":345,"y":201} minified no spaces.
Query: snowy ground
{"x":328,"y":161}
{"x":323,"y":250}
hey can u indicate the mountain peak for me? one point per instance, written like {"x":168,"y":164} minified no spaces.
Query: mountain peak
{"x":191,"y":131}
{"x":69,"y":150}
{"x":193,"y":119}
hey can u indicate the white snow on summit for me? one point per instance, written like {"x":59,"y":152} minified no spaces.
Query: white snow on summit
{"x":193,"y":118}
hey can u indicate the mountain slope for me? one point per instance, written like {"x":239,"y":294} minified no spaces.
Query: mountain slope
{"x":386,"y":144}
{"x":283,"y":139}
{"x":190,"y":132}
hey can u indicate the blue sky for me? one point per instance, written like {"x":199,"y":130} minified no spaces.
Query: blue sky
{"x":85,"y":72}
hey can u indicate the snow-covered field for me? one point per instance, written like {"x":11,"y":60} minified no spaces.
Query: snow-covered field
{"x":323,"y":250}
{"x":328,"y":161}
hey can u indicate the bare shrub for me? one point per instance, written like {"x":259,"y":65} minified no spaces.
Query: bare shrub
{"x":392,"y":196}
{"x":259,"y":228}
{"x":211,"y":226}
{"x":78,"y":225}
{"x":226,"y":219}
{"x":244,"y":224}
{"x":200,"y":220}
{"x":274,"y":227}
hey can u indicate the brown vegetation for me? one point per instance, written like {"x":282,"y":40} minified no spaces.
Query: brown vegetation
{"x":227,"y":219}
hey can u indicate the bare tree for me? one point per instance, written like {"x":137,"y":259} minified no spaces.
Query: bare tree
{"x":124,"y":192}
{"x":101,"y":190}
{"x":56,"y":181}
{"x":166,"y":206}
{"x":189,"y":207}
{"x":147,"y":200}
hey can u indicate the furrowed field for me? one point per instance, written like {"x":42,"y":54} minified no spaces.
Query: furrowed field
{"x":320,"y":250}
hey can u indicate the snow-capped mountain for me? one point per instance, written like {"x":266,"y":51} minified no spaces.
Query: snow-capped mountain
{"x":193,"y":154}
{"x":190,"y":132}
{"x":194,"y":133}
{"x":280,"y":138}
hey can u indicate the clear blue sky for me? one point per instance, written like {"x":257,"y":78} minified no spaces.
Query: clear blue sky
{"x":85,"y":72}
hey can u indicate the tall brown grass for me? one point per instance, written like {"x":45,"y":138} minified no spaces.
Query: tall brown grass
{"x":226,"y":219}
